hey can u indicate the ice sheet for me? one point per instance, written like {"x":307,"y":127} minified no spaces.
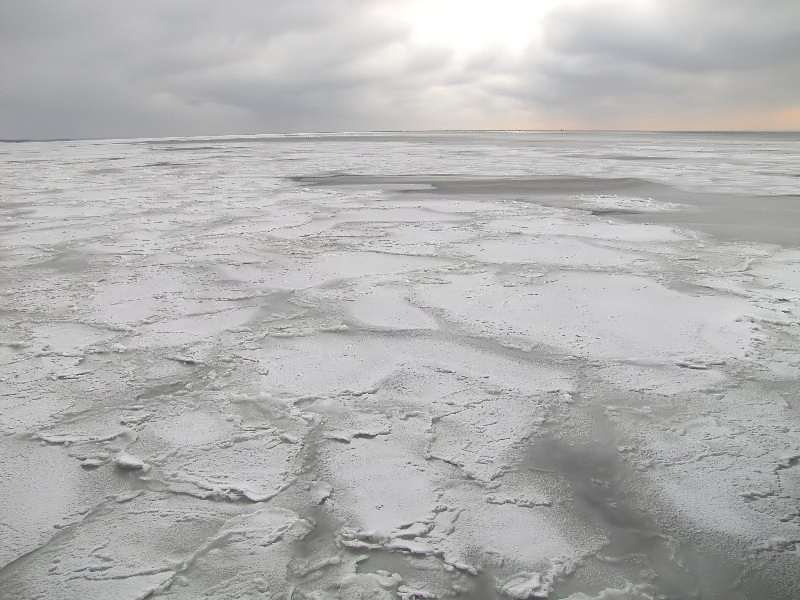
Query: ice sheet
{"x":315,"y":367}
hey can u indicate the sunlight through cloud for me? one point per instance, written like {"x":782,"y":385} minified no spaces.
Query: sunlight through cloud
{"x":469,"y":26}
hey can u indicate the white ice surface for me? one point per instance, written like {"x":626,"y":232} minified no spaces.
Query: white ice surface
{"x":218,"y":381}
{"x":599,"y":315}
{"x":386,"y":308}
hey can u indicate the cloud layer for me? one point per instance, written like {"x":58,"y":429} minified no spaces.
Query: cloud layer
{"x":76,"y":68}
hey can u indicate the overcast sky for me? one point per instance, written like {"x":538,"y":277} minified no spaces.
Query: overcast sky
{"x":113,"y":68}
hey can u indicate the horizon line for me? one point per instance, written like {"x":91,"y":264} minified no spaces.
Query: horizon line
{"x":395,"y":131}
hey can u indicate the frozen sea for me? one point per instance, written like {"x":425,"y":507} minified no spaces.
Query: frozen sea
{"x":512,"y":365}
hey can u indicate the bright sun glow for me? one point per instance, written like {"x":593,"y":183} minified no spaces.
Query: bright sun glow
{"x":470,"y":25}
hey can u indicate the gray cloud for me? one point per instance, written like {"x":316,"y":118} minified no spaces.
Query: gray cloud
{"x":80,"y":68}
{"x":96,"y":69}
{"x":679,"y":35}
{"x":676,"y":62}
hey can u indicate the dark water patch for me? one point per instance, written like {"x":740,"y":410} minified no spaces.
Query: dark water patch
{"x":614,"y":212}
{"x":484,"y":588}
{"x":732,"y":217}
{"x":104,"y":170}
{"x":462,"y":185}
{"x":16,"y":209}
{"x":188,"y":148}
{"x":161,"y":389}
{"x":321,"y":540}
{"x":23,"y":161}
{"x":165,"y":163}
{"x":316,"y":138}
{"x":106,"y":159}
{"x":66,"y":261}
{"x":633,"y":157}
{"x":638,"y":550}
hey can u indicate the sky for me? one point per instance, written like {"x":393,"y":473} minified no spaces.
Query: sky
{"x":114,"y":68}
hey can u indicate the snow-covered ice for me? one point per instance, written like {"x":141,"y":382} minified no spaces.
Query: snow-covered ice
{"x":475,"y":366}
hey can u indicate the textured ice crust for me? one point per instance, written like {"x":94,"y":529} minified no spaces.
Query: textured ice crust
{"x":226,"y":374}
